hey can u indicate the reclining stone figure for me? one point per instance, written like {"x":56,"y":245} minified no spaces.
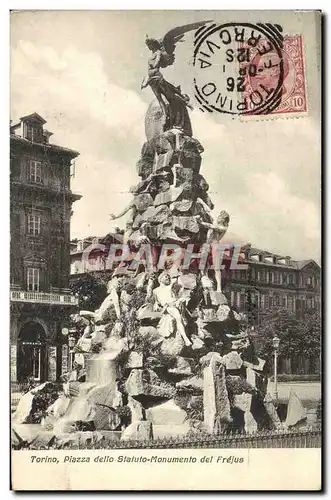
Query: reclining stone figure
{"x":166,"y":301}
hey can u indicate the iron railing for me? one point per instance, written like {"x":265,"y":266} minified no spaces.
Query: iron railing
{"x":307,"y":438}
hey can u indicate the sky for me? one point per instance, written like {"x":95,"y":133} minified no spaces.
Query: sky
{"x":82,"y":70}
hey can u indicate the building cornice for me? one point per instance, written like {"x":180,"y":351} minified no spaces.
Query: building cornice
{"x":46,"y":147}
{"x":46,"y":190}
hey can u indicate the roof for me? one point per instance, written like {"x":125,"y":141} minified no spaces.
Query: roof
{"x":294,"y":264}
{"x":12,"y":127}
{"x":266,"y":253}
{"x":33,"y":116}
{"x":103,"y":240}
{"x":300,"y":264}
{"x":51,"y":147}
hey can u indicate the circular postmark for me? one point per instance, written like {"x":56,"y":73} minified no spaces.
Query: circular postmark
{"x":239,"y":68}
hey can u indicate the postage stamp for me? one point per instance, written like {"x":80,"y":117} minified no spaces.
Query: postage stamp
{"x":165,"y":286}
{"x":266,"y":74}
{"x":248,"y":70}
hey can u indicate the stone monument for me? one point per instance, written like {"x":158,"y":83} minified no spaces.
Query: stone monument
{"x":165,"y":354}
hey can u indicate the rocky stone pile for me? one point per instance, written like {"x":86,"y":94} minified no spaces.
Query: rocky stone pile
{"x":165,"y":354}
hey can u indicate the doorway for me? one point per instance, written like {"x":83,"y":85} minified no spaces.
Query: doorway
{"x":31,"y":356}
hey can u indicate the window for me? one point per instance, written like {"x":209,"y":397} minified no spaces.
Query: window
{"x":270,"y":302}
{"x":243,"y":275}
{"x":310,"y":303}
{"x":33,"y":279}
{"x":27,"y":131}
{"x":270,"y":277}
{"x":32,"y":132}
{"x":262,"y":301}
{"x":34,"y":225}
{"x":80,"y":246}
{"x":238,"y":299}
{"x":277,"y":300}
{"x":242,"y":302}
{"x":35,"y":171}
{"x":290,"y":279}
{"x":290,"y":302}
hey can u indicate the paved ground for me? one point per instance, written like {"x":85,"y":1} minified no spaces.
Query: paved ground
{"x":309,"y":392}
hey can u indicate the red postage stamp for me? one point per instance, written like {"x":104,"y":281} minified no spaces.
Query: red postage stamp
{"x":262,"y":72}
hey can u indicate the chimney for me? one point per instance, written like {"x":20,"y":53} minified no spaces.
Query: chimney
{"x":46,"y":135}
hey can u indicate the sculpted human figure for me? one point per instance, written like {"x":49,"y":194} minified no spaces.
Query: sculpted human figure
{"x":112,"y":299}
{"x":155,"y":79}
{"x":138,"y":205}
{"x":166,"y":301}
{"x":216,"y":231}
{"x":163,"y":56}
{"x":133,"y":212}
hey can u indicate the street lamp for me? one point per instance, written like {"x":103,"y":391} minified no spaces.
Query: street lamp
{"x":71,"y":345}
{"x":275,"y":344}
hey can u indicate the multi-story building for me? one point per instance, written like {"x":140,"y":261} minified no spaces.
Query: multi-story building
{"x":273,"y":281}
{"x":40,"y":211}
{"x":90,"y":254}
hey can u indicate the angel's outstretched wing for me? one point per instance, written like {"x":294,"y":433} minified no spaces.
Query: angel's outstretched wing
{"x":176,"y":34}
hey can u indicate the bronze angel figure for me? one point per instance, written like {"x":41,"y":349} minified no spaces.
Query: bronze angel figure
{"x":163,"y":55}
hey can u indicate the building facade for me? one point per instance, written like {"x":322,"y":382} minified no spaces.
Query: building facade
{"x":273,"y":281}
{"x":90,"y":254}
{"x":40,"y":210}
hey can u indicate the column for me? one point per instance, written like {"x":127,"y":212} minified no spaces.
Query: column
{"x":65,"y":355}
{"x":13,"y":363}
{"x":51,"y":363}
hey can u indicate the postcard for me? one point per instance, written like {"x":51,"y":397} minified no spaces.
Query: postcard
{"x":165,"y":266}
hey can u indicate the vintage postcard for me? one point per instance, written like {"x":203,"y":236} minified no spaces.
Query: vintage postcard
{"x":165,"y":272}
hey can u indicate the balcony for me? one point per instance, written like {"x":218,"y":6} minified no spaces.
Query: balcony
{"x":43,"y":298}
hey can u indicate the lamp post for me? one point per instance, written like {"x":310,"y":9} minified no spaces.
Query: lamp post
{"x":275,"y":344}
{"x":71,"y":345}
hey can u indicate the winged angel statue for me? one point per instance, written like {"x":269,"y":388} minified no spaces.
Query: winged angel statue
{"x":163,"y":51}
